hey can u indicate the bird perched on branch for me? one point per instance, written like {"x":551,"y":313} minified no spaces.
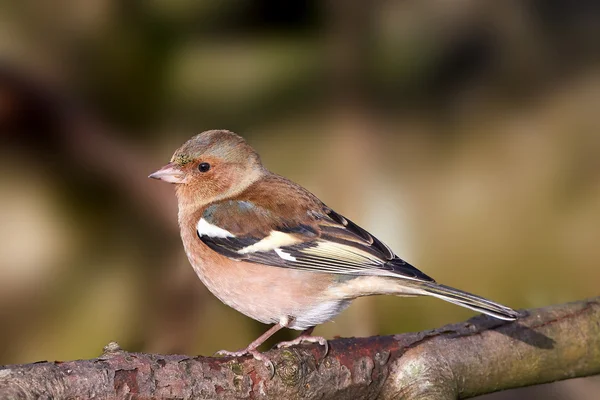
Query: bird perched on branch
{"x":273,"y":251}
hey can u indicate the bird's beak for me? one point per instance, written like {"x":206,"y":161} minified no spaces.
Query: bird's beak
{"x":171,"y":173}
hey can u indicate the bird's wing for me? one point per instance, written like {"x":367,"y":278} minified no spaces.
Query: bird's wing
{"x":318,"y":240}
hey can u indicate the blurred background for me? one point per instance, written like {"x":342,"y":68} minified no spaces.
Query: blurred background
{"x":465,"y":134}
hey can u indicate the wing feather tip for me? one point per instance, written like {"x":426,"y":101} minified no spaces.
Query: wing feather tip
{"x":403,"y":268}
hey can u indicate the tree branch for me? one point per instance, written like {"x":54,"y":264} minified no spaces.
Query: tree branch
{"x":463,"y":360}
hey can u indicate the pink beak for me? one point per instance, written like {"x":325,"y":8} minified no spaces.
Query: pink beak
{"x":169,"y":173}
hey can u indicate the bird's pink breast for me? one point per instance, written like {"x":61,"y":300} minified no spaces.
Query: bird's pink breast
{"x":264,"y":293}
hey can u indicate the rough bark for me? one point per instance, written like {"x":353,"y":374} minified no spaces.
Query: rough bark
{"x":463,"y":360}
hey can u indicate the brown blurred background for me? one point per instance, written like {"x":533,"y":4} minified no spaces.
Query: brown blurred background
{"x":465,"y":134}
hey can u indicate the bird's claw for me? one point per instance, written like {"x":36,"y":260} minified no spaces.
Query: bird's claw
{"x":311,"y":339}
{"x":255,"y":354}
{"x":265,"y":360}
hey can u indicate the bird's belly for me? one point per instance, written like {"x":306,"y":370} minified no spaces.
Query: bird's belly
{"x":318,"y":314}
{"x":269,"y":294}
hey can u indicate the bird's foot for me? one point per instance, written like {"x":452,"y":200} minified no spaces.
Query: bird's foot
{"x":254,"y":353}
{"x":306,"y":338}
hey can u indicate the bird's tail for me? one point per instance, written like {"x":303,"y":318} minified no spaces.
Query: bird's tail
{"x":469,"y":300}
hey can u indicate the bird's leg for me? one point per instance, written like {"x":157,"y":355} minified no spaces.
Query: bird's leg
{"x":305,"y":336}
{"x":251,"y":349}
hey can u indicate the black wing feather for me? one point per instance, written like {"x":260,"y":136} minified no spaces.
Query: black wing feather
{"x":339,"y":246}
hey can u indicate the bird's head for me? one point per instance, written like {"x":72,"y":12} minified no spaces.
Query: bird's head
{"x":211,"y":166}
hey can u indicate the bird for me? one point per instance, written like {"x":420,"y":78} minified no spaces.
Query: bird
{"x":273,"y":251}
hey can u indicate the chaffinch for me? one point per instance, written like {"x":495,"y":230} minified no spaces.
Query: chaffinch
{"x":273,"y":251}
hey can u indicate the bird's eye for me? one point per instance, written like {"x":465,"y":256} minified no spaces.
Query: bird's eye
{"x":203,"y":167}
